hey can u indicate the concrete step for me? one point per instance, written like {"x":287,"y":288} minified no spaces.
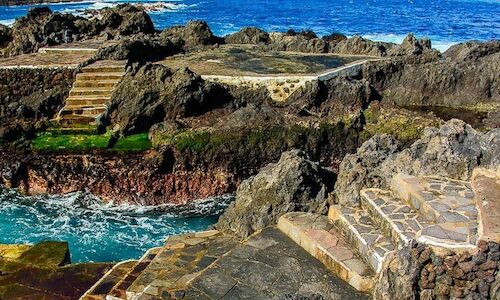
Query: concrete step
{"x":363,"y":234}
{"x":100,"y":76}
{"x":181,"y":260}
{"x":91,"y":91}
{"x":83,"y":111}
{"x":75,"y":120}
{"x":119,"y":290}
{"x":95,"y":83}
{"x":103,"y":69}
{"x":316,"y":234}
{"x":104,"y":286}
{"x":87,"y":100}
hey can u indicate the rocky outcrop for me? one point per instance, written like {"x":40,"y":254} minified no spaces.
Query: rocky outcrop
{"x":248,"y":35}
{"x":154,"y":94}
{"x":304,"y":41}
{"x":5,"y":36}
{"x":30,"y":2}
{"x":359,"y":46}
{"x":417,"y":272}
{"x":453,"y":151}
{"x":294,"y":183}
{"x":42,"y":28}
{"x":194,"y":35}
{"x":23,"y":105}
{"x":466,"y":76}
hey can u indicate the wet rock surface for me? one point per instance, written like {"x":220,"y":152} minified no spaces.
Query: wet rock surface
{"x":294,"y":183}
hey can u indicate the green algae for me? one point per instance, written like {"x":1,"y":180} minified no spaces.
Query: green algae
{"x":133,"y":143}
{"x":47,"y":142}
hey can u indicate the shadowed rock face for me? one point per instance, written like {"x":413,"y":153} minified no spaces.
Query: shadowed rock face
{"x":453,"y":151}
{"x":294,"y":183}
{"x":155,"y":94}
{"x":193,"y":35}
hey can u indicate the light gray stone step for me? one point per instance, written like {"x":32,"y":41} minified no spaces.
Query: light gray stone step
{"x":83,"y":111}
{"x":447,"y":205}
{"x":104,"y":286}
{"x":316,"y":234}
{"x":75,"y":120}
{"x":396,"y":219}
{"x":363,"y":234}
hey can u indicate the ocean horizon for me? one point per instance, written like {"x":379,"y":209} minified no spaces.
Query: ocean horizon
{"x":445,"y":22}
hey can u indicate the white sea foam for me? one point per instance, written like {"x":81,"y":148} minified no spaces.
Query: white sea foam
{"x":7,"y":22}
{"x":440,"y":45}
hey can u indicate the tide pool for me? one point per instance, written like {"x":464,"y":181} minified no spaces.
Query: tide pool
{"x":96,"y":231}
{"x":446,"y":21}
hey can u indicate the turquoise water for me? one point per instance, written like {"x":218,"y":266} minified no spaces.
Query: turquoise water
{"x":445,"y":21}
{"x":98,"y":232}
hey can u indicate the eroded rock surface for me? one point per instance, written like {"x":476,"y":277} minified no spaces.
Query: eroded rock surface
{"x":294,"y":183}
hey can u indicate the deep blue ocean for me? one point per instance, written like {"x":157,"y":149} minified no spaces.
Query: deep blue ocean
{"x":444,"y":21}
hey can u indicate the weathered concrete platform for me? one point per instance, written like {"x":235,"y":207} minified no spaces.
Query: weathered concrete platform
{"x":281,"y":72}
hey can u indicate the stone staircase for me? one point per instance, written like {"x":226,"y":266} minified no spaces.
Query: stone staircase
{"x":354,"y":242}
{"x":91,"y":92}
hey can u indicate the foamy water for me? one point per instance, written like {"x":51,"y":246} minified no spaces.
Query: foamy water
{"x":97,"y":231}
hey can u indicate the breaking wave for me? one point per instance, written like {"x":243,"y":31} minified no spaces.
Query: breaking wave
{"x":98,"y":231}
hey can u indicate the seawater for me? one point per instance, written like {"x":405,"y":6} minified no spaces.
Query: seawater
{"x":446,"y":22}
{"x":96,"y":231}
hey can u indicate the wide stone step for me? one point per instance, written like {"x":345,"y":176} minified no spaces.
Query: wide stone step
{"x":75,"y":119}
{"x":100,"y":76}
{"x":95,"y":83}
{"x":181,"y":259}
{"x":447,"y":205}
{"x":104,"y":286}
{"x":316,"y":234}
{"x":392,"y":215}
{"x":363,"y":234}
{"x":119,"y":291}
{"x":103,"y":69}
{"x":103,"y":91}
{"x":86,"y":100}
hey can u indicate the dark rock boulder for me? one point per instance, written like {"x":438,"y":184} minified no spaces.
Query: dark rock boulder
{"x":294,"y":183}
{"x":252,"y":116}
{"x":415,"y":50}
{"x":304,"y":41}
{"x":138,"y":48}
{"x":359,"y":46}
{"x":339,"y":96}
{"x":154,"y":93}
{"x":453,"y":151}
{"x":5,"y":36}
{"x":248,"y":35}
{"x":426,"y":80}
{"x":193,"y":35}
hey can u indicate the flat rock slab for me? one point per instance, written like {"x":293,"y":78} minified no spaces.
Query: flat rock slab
{"x":486,"y":184}
{"x":269,"y":265}
{"x":46,"y":60}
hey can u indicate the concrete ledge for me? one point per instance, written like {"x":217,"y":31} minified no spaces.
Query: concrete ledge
{"x":315,"y":234}
{"x":486,"y":185}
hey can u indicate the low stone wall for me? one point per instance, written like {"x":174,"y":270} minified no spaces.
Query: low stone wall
{"x":419,"y":272}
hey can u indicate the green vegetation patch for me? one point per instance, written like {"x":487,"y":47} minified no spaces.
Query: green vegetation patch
{"x":70,"y":142}
{"x":135,"y":143}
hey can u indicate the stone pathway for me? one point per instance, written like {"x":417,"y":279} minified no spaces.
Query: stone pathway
{"x":211,"y":265}
{"x":436,"y":211}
